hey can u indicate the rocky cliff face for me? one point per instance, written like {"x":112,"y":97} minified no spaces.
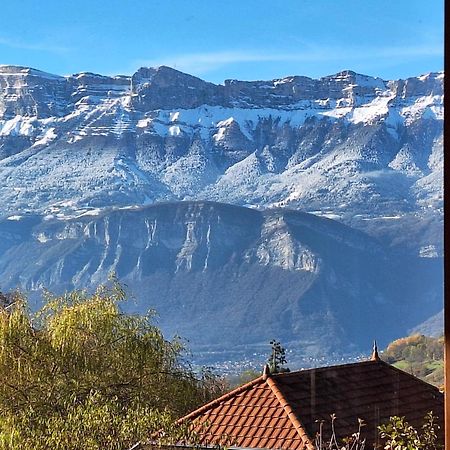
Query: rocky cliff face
{"x":343,"y":145}
{"x":29,"y":92}
{"x":224,"y":276}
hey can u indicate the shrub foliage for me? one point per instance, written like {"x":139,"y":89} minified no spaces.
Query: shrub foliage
{"x":80,"y":373}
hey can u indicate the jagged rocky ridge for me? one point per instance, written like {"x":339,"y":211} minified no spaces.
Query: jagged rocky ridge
{"x":345,"y":145}
{"x":225,"y":276}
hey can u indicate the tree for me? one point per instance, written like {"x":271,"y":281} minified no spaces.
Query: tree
{"x":277,"y":358}
{"x":423,"y":356}
{"x":80,"y":373}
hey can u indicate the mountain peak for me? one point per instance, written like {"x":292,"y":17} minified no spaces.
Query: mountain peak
{"x":27,"y":71}
{"x":163,"y":72}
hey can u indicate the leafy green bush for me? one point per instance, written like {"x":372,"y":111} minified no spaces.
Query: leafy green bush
{"x":400,"y":435}
{"x":397,"y":434}
{"x":81,"y":374}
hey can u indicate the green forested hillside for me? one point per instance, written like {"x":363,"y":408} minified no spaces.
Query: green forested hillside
{"x":419,"y":355}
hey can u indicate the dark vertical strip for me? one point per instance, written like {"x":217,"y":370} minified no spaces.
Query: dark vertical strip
{"x":313,"y":395}
{"x":446,"y":235}
{"x":376,"y":421}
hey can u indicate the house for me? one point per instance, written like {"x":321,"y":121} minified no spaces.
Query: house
{"x":284,"y":410}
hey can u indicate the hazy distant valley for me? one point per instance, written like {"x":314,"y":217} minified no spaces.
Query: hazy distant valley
{"x":304,"y":210}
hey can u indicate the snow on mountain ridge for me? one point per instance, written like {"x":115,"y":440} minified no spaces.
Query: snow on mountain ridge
{"x":345,"y":142}
{"x":24,"y":71}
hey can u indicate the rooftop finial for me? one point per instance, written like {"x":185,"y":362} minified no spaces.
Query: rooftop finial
{"x":266,"y":372}
{"x":375,"y":356}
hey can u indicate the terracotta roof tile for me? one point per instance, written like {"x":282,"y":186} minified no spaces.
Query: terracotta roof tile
{"x":262,"y":443}
{"x":265,"y":422}
{"x":258,"y":432}
{"x":230,"y":429}
{"x":284,"y":433}
{"x":257,"y":421}
{"x":280,"y":411}
{"x":277,"y":431}
{"x":254,"y":443}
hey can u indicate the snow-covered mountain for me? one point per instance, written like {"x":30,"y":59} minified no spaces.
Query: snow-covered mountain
{"x":85,"y":161}
{"x":342,"y":145}
{"x":226,"y":276}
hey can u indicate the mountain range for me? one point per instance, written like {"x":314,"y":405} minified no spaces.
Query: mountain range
{"x":309,"y":209}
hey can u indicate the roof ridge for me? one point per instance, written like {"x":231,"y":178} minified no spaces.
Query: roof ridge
{"x":323,"y":368}
{"x":220,"y":399}
{"x":290,"y":413}
{"x":365,"y":362}
{"x":410,"y":375}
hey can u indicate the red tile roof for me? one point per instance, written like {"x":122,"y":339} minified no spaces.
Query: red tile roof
{"x":257,"y":415}
{"x":281,"y":411}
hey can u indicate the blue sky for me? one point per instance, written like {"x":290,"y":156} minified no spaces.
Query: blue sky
{"x":216,"y":40}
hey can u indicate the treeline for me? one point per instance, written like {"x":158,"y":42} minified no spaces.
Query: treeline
{"x":422,"y":356}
